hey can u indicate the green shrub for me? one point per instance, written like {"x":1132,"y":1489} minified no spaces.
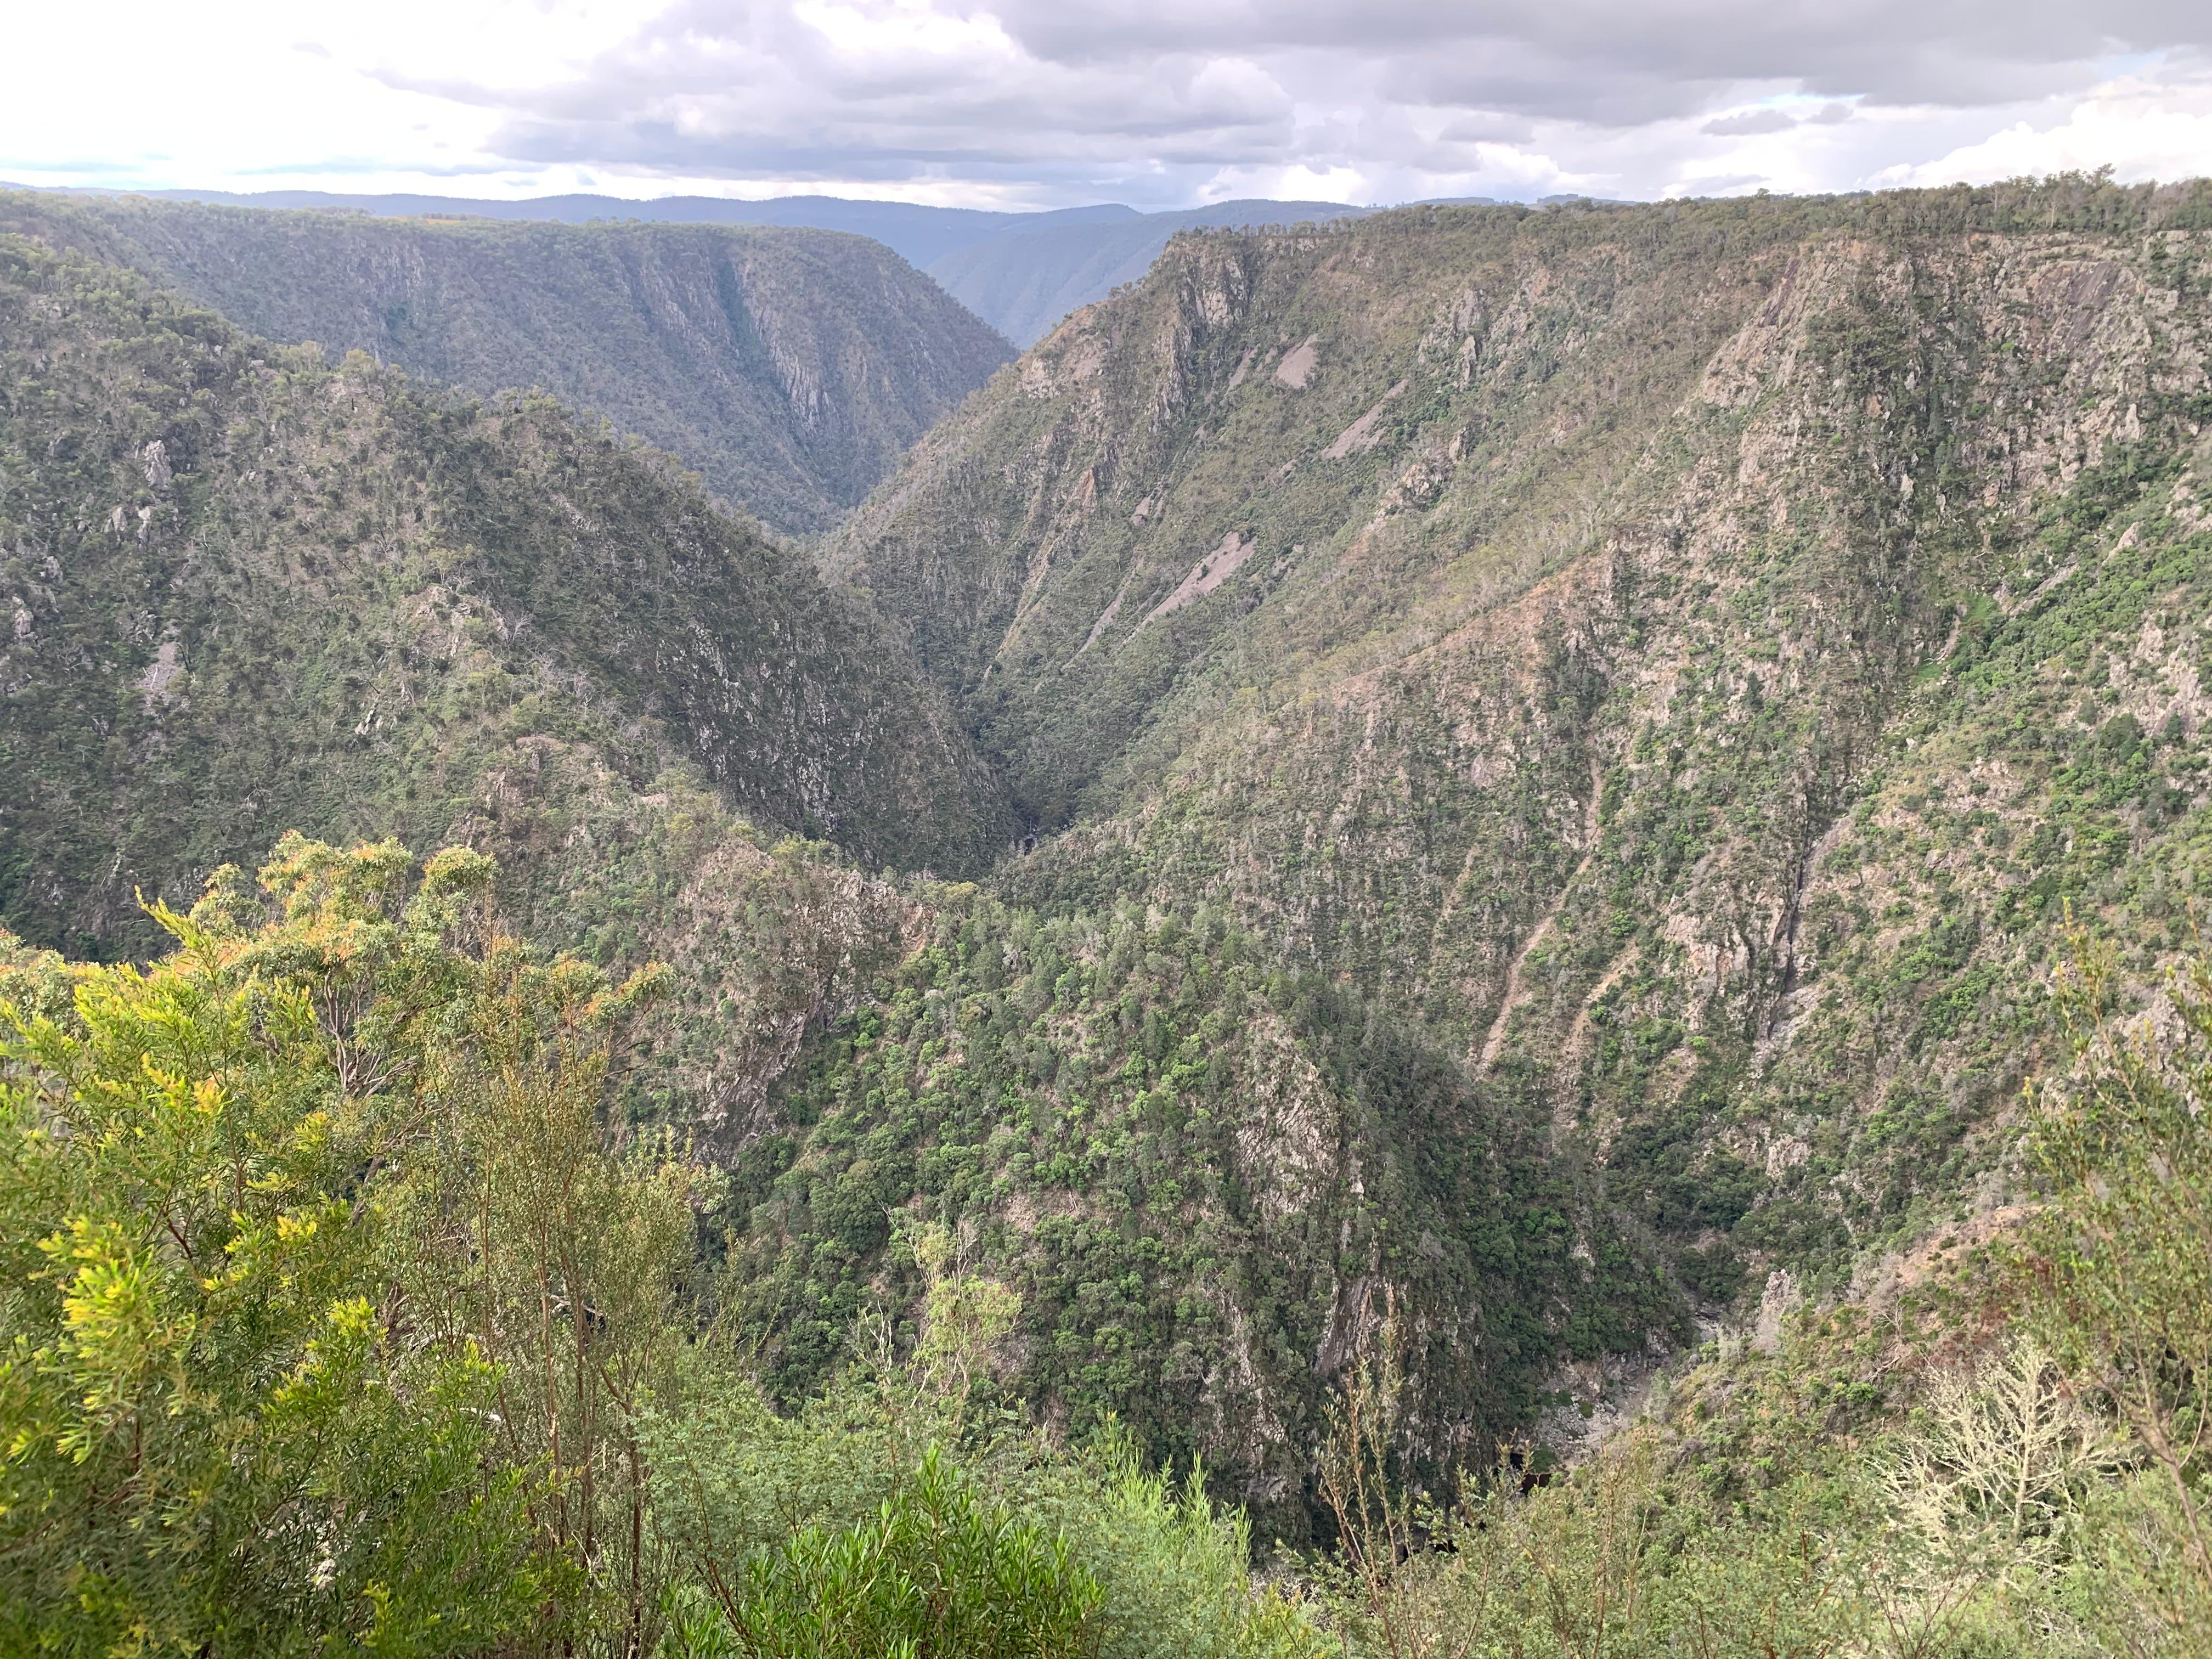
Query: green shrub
{"x":939,"y":1569}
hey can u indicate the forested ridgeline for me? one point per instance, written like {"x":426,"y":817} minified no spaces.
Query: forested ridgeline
{"x":251,"y":587}
{"x":790,"y":368}
{"x":250,"y":590}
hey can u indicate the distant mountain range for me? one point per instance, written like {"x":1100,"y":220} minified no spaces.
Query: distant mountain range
{"x":918,"y":234}
{"x":1020,"y":272}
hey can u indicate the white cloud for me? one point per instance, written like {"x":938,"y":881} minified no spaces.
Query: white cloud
{"x":2143,"y":126}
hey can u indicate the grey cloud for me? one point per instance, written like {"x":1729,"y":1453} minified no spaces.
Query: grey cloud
{"x":1962,"y":52}
{"x":1512,"y":78}
{"x":1157,"y":103}
{"x":1750,"y":123}
{"x":1487,"y":127}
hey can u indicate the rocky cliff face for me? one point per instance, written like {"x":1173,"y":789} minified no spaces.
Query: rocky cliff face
{"x":790,"y":368}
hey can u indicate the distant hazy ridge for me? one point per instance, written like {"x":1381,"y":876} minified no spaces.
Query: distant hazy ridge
{"x":1019,"y":272}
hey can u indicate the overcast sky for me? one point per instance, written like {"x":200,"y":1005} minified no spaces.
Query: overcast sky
{"x":1047,"y":103}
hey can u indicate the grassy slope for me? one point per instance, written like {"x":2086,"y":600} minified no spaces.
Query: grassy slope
{"x":790,"y":368}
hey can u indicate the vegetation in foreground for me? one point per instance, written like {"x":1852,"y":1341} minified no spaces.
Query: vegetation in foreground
{"x":338,"y":1313}
{"x":2011,"y":1463}
{"x":337,"y":1316}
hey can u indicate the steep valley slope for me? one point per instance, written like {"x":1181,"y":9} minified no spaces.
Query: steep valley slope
{"x":1021,"y":272}
{"x":251,"y":593}
{"x":789,"y":367}
{"x":1685,"y":663}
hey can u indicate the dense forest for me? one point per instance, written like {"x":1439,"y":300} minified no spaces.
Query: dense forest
{"x":1472,"y":934}
{"x":1684,"y":664}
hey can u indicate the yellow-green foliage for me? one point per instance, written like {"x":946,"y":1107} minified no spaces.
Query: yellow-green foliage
{"x":339,"y":1313}
{"x":2126,"y":1255}
{"x":221,"y":1419}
